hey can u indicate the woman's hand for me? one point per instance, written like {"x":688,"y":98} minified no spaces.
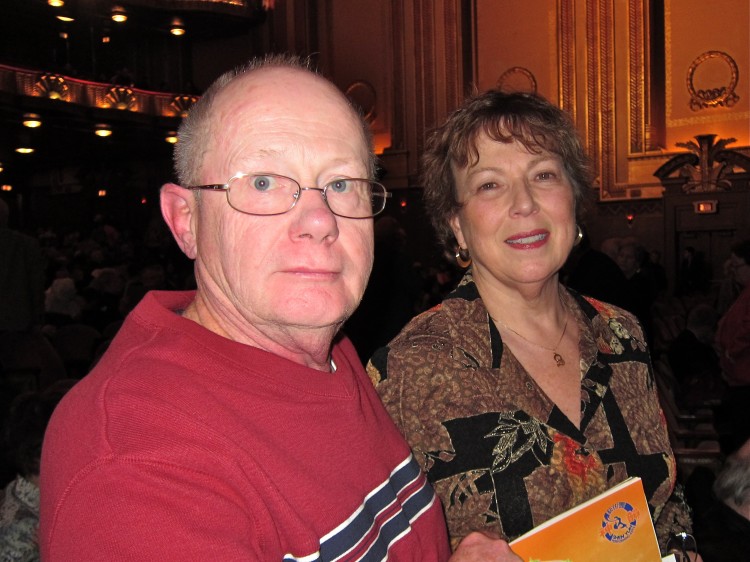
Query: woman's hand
{"x":482,"y":547}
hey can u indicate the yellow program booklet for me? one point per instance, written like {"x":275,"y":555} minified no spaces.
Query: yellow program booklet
{"x":613,"y":526}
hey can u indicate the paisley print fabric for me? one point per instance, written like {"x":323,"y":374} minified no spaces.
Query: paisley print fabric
{"x":501,"y":456}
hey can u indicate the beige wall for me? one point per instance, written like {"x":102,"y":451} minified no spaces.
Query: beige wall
{"x":694,"y":27}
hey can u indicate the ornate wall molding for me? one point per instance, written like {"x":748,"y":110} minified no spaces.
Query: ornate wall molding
{"x":600,"y":94}
{"x":637,"y":76}
{"x":566,"y":47}
{"x":517,"y":79}
{"x":718,"y":95}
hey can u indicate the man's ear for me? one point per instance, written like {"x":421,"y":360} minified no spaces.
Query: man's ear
{"x":178,"y":207}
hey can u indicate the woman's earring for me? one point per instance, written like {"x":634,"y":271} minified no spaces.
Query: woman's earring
{"x":463,"y":258}
{"x":579,"y":236}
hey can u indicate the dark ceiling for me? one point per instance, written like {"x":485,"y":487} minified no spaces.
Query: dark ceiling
{"x":30,"y":38}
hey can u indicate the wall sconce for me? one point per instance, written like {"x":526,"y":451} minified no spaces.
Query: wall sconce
{"x":7,"y":187}
{"x":52,"y":86}
{"x":171,"y":137}
{"x":119,"y":15}
{"x":177,"y":28}
{"x":1,"y":167}
{"x":102,"y":130}
{"x":56,"y":3}
{"x":102,"y":193}
{"x":630,"y":217}
{"x":31,"y":120}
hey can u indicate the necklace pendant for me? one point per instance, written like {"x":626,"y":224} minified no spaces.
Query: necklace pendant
{"x":559,"y":359}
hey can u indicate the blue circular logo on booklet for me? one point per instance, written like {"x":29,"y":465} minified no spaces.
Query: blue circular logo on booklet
{"x":619,"y":522}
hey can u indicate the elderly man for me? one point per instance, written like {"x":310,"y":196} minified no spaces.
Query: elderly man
{"x":234,"y":423}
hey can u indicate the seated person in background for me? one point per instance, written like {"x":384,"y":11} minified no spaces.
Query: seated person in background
{"x":23,"y":432}
{"x":733,"y":341}
{"x":694,"y":361}
{"x":234,"y":422}
{"x":519,"y":397}
{"x":723,"y":532}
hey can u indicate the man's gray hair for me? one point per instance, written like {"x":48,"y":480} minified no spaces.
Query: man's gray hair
{"x":732,"y":484}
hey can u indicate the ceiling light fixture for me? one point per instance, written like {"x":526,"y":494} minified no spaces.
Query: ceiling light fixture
{"x":24,"y":150}
{"x":178,"y":27}
{"x":56,"y":3}
{"x":7,"y":187}
{"x":102,"y":130}
{"x":31,"y":120}
{"x":171,"y":137}
{"x":63,"y":17}
{"x":119,"y":15}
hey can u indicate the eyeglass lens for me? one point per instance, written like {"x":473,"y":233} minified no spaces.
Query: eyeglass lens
{"x":270,"y":194}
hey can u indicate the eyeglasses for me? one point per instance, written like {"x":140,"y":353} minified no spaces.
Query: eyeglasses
{"x":271,"y":194}
{"x":680,"y":544}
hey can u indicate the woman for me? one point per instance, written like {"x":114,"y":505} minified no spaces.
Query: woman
{"x":519,"y":397}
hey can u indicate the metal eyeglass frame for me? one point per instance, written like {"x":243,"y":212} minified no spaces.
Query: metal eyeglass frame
{"x":226,"y":187}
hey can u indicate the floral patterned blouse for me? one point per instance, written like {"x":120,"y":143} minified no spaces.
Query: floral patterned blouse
{"x":501,"y":456}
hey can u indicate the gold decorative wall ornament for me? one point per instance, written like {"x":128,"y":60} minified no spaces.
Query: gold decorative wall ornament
{"x":52,"y":86}
{"x":182,"y":103}
{"x":517,"y":79}
{"x":120,"y":97}
{"x":706,"y":168}
{"x":712,"y":95}
{"x":362,"y":94}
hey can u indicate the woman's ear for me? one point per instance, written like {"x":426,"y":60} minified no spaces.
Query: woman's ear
{"x":178,"y":207}
{"x":455,"y":225}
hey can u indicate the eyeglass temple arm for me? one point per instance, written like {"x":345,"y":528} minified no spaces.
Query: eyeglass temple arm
{"x":213,"y":186}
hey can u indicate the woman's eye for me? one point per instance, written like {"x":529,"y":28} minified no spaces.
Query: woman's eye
{"x":263,"y":183}
{"x":487,"y":186}
{"x":546,"y":175}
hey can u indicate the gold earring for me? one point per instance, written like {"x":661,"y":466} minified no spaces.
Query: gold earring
{"x":463,"y":258}
{"x":579,"y":236}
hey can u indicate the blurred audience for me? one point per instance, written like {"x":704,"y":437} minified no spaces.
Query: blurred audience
{"x":595,"y":274}
{"x":733,"y":340}
{"x":723,"y":531}
{"x":21,"y":278}
{"x":694,"y":361}
{"x":23,"y":433}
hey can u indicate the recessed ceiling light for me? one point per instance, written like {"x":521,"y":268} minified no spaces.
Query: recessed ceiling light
{"x":177,"y":27}
{"x":119,"y":15}
{"x":56,"y":3}
{"x":31,"y":120}
{"x":102,"y":130}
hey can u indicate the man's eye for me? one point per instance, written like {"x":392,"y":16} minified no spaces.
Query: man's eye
{"x":339,"y":186}
{"x":263,"y":183}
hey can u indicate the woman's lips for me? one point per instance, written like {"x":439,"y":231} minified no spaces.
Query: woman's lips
{"x":528,"y":240}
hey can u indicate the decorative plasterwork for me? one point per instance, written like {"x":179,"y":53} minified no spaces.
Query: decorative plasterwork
{"x":600,"y":91}
{"x":717,"y":96}
{"x":566,"y":18}
{"x":517,"y":79}
{"x":706,"y":168}
{"x":362,"y":94}
{"x":638,"y":101}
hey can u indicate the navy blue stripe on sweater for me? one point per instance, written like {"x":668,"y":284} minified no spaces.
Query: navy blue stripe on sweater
{"x":384,"y":517}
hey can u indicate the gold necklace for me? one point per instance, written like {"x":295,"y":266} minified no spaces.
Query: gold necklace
{"x":555,"y":355}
